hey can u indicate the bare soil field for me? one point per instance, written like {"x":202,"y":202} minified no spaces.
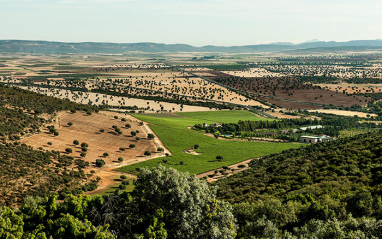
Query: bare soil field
{"x":135,"y":77}
{"x":162,"y":84}
{"x":353,"y":88}
{"x":86,"y":128}
{"x":86,"y":97}
{"x":283,"y":116}
{"x":343,"y":112}
{"x":253,"y":72}
{"x":278,"y":89}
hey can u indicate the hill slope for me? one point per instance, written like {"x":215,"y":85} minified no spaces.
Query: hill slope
{"x":342,"y":166}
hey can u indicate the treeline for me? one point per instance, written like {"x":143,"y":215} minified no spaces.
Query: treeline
{"x":170,"y":98}
{"x":163,"y":204}
{"x":38,"y":103}
{"x":332,"y":124}
{"x":325,"y":190}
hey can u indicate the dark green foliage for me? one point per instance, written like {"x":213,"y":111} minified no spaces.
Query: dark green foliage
{"x":84,"y":145}
{"x":147,"y":153}
{"x":81,"y":163}
{"x":164,"y":204}
{"x":39,"y":103}
{"x":31,"y":171}
{"x":317,"y":183}
{"x":99,"y":163}
{"x":332,"y":124}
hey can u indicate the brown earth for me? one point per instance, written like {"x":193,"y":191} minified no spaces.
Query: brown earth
{"x":86,"y":128}
{"x":287,"y":92}
{"x":220,"y":176}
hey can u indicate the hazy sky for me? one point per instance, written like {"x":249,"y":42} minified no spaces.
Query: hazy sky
{"x":195,"y":22}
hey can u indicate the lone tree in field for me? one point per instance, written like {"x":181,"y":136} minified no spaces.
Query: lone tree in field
{"x":219,"y":158}
{"x":120,"y":159}
{"x":132,"y":146}
{"x":105,"y":154}
{"x":150,"y":136}
{"x":147,"y":153}
{"x":75,"y":142}
{"x":127,"y":126}
{"x":99,"y":163}
{"x":133,"y":133}
{"x":68,"y":150}
{"x":70,"y":123}
{"x":160,"y":149}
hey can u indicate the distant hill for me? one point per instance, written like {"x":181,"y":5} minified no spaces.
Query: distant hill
{"x":23,"y":46}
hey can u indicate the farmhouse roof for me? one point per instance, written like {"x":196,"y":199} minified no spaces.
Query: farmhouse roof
{"x":312,"y":127}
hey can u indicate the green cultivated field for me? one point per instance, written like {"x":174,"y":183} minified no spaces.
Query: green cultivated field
{"x":232,"y":116}
{"x":173,"y":132}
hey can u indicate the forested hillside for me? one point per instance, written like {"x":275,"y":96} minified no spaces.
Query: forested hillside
{"x":20,"y":110}
{"x":311,"y":190}
{"x":25,"y":171}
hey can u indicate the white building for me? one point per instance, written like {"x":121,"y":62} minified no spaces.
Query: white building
{"x":314,"y":139}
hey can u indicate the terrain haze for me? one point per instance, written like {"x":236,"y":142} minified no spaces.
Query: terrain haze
{"x":17,"y":46}
{"x":198,"y":23}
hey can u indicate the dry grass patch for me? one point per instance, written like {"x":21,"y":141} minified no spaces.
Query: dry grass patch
{"x":86,"y":128}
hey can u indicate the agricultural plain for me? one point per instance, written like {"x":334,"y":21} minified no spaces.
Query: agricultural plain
{"x":175,"y":133}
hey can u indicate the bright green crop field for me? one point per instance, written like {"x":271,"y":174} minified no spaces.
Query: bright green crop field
{"x":224,"y":116}
{"x":174,"y":132}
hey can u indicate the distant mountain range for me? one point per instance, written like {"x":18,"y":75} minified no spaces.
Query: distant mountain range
{"x":23,"y":46}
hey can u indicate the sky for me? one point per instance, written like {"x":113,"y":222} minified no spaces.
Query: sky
{"x":194,"y":22}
